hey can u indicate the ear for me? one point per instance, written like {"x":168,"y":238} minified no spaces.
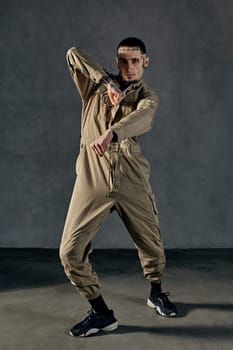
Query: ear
{"x":146,"y":62}
{"x":117,"y":61}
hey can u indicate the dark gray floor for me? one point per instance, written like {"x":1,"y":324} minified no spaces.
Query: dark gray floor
{"x":38,"y":305}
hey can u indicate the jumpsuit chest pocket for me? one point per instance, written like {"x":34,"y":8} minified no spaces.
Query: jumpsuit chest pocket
{"x":125,"y":109}
{"x":102,"y":108}
{"x":97,"y":116}
{"x":129,"y":104}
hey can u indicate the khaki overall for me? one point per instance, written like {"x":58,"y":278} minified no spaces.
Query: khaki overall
{"x":117,"y":181}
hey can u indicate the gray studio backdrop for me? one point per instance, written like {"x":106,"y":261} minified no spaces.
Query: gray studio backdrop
{"x":190,"y":146}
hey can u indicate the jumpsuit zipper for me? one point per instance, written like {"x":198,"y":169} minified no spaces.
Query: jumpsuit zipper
{"x":114,"y":158}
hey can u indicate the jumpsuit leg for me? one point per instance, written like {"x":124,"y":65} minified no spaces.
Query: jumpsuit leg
{"x":88,"y":209}
{"x":140,"y":216}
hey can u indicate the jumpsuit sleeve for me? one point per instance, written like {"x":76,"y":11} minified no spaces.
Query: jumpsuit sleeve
{"x":84,"y":71}
{"x":139,"y":121}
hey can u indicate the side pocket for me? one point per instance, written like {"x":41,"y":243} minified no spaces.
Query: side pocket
{"x":152,"y":198}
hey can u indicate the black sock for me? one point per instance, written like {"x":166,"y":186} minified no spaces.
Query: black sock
{"x":155,"y":288}
{"x":98,"y":304}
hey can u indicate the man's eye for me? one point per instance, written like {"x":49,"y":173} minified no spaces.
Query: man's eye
{"x":135,"y":60}
{"x":121,"y":60}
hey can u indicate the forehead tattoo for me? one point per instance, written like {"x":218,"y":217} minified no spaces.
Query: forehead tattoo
{"x":124,"y":49}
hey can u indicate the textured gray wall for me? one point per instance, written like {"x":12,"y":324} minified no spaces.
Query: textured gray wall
{"x":190,"y":146}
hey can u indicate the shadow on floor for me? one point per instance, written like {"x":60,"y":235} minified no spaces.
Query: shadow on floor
{"x":185,"y":308}
{"x":191,"y":331}
{"x":216,"y":332}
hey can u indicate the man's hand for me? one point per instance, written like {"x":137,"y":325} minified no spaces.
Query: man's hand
{"x":115,"y":96}
{"x":101,"y":145}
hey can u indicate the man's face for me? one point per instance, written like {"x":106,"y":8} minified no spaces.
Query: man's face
{"x":131,"y":63}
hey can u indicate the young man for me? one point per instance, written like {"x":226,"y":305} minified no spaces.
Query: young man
{"x":112,"y":174}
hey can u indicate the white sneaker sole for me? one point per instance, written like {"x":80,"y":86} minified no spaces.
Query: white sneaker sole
{"x":157,"y":308}
{"x":111,"y":327}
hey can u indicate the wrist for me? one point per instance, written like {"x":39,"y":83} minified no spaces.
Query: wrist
{"x":109,"y":133}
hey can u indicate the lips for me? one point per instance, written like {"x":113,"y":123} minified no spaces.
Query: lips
{"x":129,"y":76}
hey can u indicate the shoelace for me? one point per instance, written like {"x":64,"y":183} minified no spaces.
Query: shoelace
{"x":89,"y":317}
{"x":162,"y":294}
{"x":164,"y":297}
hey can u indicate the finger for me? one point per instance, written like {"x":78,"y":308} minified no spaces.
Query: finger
{"x":94,"y":149}
{"x":113,"y":99}
{"x":92,"y":145}
{"x":98,"y":150}
{"x":101,"y":147}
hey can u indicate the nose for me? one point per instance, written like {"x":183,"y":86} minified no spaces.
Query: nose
{"x":129,"y":66}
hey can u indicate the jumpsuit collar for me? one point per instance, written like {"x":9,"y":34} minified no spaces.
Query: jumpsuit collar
{"x":128,"y":86}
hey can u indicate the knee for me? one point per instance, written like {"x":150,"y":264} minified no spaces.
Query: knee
{"x":71,"y":254}
{"x":62,"y":254}
{"x":65,"y":254}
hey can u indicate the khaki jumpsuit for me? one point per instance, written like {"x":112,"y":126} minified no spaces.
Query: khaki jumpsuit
{"x":117,"y":181}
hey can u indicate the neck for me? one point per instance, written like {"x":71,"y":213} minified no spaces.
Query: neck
{"x":124,"y":83}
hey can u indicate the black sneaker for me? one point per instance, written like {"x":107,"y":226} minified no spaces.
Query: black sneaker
{"x":162,"y":304}
{"x":94,"y":323}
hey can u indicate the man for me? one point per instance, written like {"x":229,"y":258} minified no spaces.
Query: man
{"x":112,"y":174}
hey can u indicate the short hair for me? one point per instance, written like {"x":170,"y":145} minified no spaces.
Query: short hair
{"x":133,"y":42}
